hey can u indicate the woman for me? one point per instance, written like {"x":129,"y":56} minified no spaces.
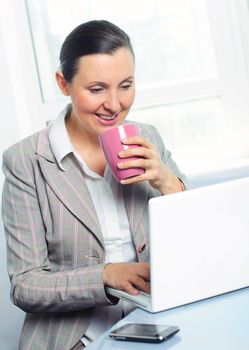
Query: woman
{"x":71,"y":228}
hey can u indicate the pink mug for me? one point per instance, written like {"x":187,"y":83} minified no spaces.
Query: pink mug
{"x":111,"y":142}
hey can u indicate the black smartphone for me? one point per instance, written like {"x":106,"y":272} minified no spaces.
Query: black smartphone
{"x":151,"y":333}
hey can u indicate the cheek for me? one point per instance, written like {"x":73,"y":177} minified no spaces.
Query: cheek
{"x":86,"y":102}
{"x":129,"y":99}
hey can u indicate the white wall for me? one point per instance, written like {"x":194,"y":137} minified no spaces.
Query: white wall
{"x":11,"y":317}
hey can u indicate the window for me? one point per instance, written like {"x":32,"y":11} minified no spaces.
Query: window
{"x":171,"y":39}
{"x":192,"y":78}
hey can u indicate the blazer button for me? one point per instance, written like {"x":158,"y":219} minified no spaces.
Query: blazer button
{"x":141,"y":248}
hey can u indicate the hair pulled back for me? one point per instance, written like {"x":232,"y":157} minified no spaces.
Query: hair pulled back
{"x":93,"y":37}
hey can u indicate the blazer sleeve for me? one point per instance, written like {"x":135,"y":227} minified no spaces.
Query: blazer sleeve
{"x":34,"y":286}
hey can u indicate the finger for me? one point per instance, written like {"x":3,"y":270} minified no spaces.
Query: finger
{"x":133,"y":180}
{"x":130,"y":288}
{"x":137,"y":140}
{"x":141,"y":284}
{"x":134,"y":163}
{"x":148,"y":175}
{"x":142,"y":267}
{"x":145,"y":276}
{"x":137,"y":152}
{"x":147,"y":288}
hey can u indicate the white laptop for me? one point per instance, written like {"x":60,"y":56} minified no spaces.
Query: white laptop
{"x":199,"y":245}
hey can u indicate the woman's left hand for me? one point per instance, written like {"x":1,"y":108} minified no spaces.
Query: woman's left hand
{"x":156,"y":172}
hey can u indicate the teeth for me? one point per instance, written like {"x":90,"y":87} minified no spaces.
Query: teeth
{"x":106,"y":117}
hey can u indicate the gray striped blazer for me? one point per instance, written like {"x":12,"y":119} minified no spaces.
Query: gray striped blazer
{"x":55,"y":246}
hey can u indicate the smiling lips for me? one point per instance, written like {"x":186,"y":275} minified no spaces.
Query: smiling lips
{"x":107,"y":118}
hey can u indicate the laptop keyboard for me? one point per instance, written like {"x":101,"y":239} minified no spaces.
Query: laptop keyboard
{"x":142,"y":298}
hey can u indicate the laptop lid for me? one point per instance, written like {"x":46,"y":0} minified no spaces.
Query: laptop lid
{"x":199,"y":243}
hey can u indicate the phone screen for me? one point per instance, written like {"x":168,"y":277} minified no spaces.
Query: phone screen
{"x":142,"y":329}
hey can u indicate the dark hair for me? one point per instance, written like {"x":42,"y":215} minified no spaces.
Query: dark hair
{"x":98,"y":36}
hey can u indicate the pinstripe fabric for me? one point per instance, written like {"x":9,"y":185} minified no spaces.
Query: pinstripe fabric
{"x":54,"y":240}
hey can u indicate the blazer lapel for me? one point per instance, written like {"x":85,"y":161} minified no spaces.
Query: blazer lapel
{"x":69,"y":185}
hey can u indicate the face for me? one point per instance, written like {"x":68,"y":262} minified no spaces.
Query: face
{"x":102,"y":91}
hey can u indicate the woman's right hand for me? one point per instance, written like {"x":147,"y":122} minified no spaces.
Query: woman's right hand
{"x":129,"y":277}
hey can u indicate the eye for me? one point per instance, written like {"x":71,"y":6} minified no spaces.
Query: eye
{"x":96,"y":90}
{"x":126,"y":86}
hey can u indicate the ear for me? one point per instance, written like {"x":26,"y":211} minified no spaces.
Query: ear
{"x":62,"y":83}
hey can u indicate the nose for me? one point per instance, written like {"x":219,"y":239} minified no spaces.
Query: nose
{"x":112,"y":103}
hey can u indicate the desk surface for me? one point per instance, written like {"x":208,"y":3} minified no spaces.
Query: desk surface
{"x":219,"y":323}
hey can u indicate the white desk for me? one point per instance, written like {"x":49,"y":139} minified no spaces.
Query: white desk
{"x":219,"y":323}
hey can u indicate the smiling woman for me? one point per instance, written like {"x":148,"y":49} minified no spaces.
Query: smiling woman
{"x":85,"y":229}
{"x":102,"y":92}
{"x":98,"y":75}
{"x":103,"y":87}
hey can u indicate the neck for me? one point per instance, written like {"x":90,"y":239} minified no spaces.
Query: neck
{"x":87,"y":145}
{"x":80,"y":138}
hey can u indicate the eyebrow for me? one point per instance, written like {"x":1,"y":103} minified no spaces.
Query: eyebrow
{"x":104,"y":84}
